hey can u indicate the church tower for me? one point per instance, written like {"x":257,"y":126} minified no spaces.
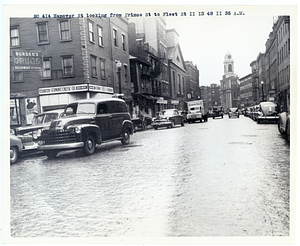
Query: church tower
{"x":228,"y":65}
{"x":229,"y":84}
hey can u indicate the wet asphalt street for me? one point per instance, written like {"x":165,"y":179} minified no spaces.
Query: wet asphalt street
{"x":224,"y":177}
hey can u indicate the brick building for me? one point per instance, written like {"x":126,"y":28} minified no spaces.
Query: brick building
{"x":192,"y":81}
{"x":79,"y":60}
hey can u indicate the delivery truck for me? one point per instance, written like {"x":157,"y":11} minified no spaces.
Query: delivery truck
{"x":196,"y":111}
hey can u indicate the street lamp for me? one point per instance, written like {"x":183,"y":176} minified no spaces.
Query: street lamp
{"x":119,"y":65}
{"x":262,"y":90}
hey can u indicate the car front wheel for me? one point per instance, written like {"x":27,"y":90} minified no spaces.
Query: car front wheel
{"x":89,"y":145}
{"x":13,"y":154}
{"x":126,"y":137}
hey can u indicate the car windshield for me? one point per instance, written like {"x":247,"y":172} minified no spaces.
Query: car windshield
{"x":86,"y":108}
{"x":166,"y":113}
{"x":233,"y":109}
{"x":268,"y":108}
{"x":38,"y":119}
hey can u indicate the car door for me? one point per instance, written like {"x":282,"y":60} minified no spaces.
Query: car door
{"x":177,"y":117}
{"x":103,"y":119}
{"x":118,"y":115}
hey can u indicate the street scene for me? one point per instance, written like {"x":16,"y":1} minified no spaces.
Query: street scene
{"x":226,"y":177}
{"x":152,"y":124}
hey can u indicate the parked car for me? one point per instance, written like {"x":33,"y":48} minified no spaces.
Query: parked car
{"x":217,"y":112}
{"x":233,"y":112}
{"x":16,"y":147}
{"x":29,"y":134}
{"x":267,"y":111}
{"x":86,"y":123}
{"x":167,"y":118}
{"x":284,"y":124}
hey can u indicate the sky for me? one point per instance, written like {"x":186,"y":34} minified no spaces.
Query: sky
{"x":205,"y":42}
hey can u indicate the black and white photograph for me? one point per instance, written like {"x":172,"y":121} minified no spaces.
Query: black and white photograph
{"x":149,"y":124}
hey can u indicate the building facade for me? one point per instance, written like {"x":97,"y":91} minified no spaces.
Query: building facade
{"x":282,"y":29}
{"x":192,"y":81}
{"x":246,"y":98}
{"x":177,"y":71}
{"x":79,"y":60}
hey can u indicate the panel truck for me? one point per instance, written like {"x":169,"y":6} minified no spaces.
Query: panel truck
{"x":196,"y":111}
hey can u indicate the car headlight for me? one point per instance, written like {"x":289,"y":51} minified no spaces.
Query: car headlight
{"x":77,"y":129}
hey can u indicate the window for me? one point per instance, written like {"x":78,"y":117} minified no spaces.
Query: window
{"x":126,"y":74}
{"x":100,"y":36}
{"x":229,"y":68}
{"x":91,"y":32}
{"x":115,"y":37}
{"x":102,"y":108}
{"x":179,"y":84}
{"x":18,"y":77}
{"x":65,"y":30}
{"x":46,"y":72}
{"x":93,"y":66}
{"x":67,"y":65}
{"x":14,"y":37}
{"x":123,"y":42}
{"x":43,"y":36}
{"x":102,"y":69}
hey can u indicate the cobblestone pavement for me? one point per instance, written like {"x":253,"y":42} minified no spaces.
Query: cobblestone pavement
{"x":224,"y":177}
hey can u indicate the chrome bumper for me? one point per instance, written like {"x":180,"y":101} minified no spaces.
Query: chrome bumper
{"x":61,"y":146}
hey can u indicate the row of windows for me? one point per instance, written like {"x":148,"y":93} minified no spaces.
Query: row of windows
{"x":284,"y":51}
{"x":67,"y":63}
{"x":64,"y":27}
{"x":284,"y":76}
{"x":97,"y":68}
{"x":42,"y":29}
{"x":283,"y":31}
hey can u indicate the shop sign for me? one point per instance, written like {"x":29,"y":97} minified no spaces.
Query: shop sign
{"x":63,"y":89}
{"x":99,"y":88}
{"x":160,"y":100}
{"x":27,"y":60}
{"x":175,"y":102}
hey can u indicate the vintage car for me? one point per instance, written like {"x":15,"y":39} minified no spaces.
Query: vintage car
{"x":86,"y":123}
{"x":267,"y":111}
{"x":167,"y":118}
{"x":284,"y":124}
{"x":233,"y":112}
{"x":29,"y":134}
{"x":217,"y":112}
{"x":16,"y":147}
